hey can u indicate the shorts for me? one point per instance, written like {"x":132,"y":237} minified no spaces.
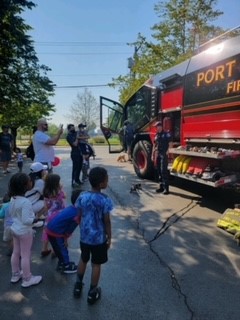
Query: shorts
{"x":86,"y":149}
{"x":83,"y":148}
{"x":6,"y":156}
{"x":99,"y":253}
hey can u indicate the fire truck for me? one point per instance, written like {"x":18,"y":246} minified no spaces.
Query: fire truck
{"x":198,"y":102}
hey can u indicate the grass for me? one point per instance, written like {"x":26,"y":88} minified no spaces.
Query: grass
{"x":98,"y":140}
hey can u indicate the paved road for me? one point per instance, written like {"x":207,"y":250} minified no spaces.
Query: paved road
{"x":168,"y":260}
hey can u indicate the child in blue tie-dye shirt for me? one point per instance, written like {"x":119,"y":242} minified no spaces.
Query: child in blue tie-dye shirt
{"x":95,"y":231}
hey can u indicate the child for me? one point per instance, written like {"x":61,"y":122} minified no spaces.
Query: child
{"x":86,"y":150}
{"x":95,"y":231}
{"x":59,"y":229}
{"x":4,"y":213}
{"x":19,"y":156}
{"x":54,"y":199}
{"x":35,"y":195}
{"x":21,"y":211}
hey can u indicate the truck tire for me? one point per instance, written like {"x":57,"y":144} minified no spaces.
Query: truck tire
{"x":142,"y":162}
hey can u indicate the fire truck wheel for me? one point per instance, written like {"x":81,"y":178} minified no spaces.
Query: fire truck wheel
{"x":142,"y":162}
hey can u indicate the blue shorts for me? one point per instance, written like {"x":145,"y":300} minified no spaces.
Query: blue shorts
{"x":98,"y":253}
{"x":86,"y":149}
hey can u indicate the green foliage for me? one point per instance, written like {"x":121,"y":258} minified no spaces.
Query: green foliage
{"x":98,"y":139}
{"x":183,"y":26}
{"x":24,"y":86}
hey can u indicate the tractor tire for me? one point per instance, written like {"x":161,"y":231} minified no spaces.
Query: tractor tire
{"x":142,"y":162}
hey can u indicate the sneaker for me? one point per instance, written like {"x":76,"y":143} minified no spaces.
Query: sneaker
{"x":38,"y":224}
{"x":165,"y":192}
{"x":77,"y":289}
{"x":70,"y":268}
{"x":34,"y":280}
{"x":16,"y":277}
{"x":94,"y":295}
{"x":160,"y":190}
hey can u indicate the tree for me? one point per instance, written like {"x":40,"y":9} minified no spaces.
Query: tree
{"x":24,"y":86}
{"x":183,"y":26}
{"x":85,"y":110}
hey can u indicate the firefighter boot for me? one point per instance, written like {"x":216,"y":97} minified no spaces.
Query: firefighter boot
{"x":166,"y":190}
{"x":160,"y":189}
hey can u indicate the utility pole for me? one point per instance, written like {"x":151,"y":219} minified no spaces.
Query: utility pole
{"x":132,"y":60}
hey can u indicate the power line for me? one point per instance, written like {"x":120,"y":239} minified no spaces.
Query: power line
{"x":82,"y":44}
{"x":85,"y":53}
{"x":85,"y":75}
{"x":82,"y":86}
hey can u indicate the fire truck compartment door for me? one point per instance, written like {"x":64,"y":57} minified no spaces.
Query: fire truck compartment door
{"x":111,"y":123}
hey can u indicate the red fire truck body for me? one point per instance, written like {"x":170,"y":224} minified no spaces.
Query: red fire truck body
{"x":198,"y":101}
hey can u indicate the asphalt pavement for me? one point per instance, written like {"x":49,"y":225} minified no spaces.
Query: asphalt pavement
{"x":168,"y":260}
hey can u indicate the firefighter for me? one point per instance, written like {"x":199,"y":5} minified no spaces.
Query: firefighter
{"x":128,"y":130}
{"x":162,"y":141}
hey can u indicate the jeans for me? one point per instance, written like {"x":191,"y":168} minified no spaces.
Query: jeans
{"x":60,"y":249}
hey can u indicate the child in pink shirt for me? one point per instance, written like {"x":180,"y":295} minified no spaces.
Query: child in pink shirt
{"x":55,"y":201}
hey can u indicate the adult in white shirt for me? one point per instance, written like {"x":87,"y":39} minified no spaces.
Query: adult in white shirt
{"x":43,"y":144}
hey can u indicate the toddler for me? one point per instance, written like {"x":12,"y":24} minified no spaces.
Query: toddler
{"x":19,"y":156}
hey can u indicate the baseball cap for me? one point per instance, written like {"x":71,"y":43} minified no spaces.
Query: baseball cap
{"x":38,"y":166}
{"x":81,"y":125}
{"x":158,"y":123}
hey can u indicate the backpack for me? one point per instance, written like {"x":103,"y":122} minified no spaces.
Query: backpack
{"x":30,"y":152}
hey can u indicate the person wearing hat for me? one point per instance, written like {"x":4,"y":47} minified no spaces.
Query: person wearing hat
{"x":43,"y":144}
{"x":37,"y":174}
{"x":76,"y":155}
{"x":162,"y":141}
{"x":6,"y":148}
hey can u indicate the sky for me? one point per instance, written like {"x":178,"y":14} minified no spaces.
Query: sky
{"x":84,"y":42}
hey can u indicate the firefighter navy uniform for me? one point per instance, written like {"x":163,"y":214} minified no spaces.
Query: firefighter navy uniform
{"x":162,"y":140}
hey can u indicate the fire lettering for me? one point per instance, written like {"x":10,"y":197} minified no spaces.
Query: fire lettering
{"x":233,"y":86}
{"x":215,"y":74}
